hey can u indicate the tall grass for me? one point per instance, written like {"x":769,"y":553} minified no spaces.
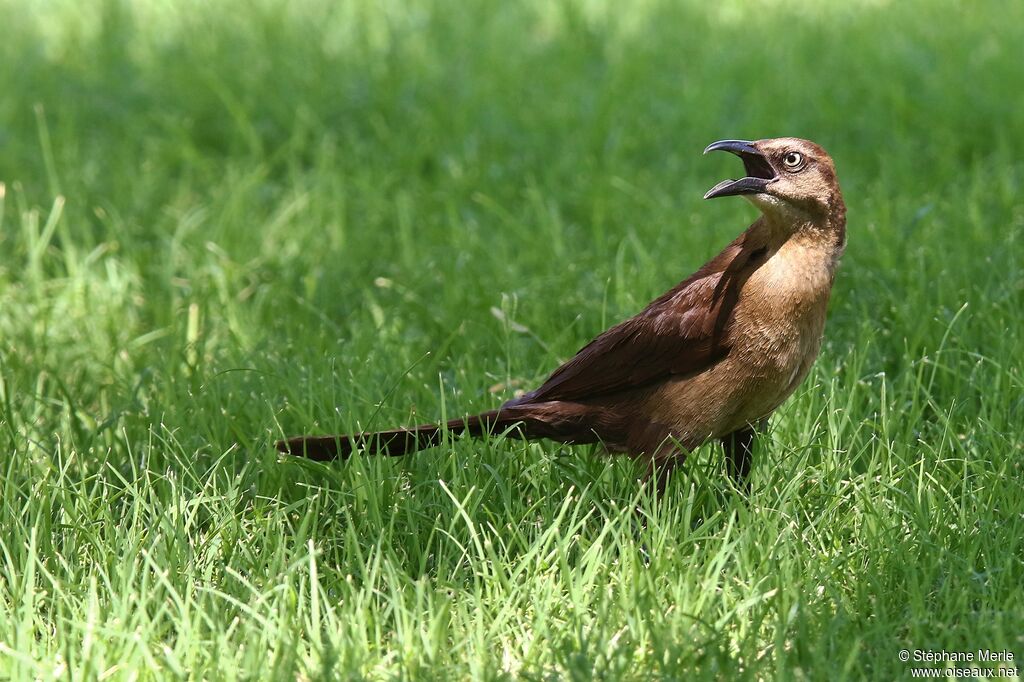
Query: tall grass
{"x":223,"y":223}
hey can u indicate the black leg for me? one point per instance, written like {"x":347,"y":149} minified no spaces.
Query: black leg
{"x":661,"y":472}
{"x":659,"y":468}
{"x":739,"y":452}
{"x":663,"y":463}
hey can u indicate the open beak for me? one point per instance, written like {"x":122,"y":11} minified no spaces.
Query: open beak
{"x":759,"y":171}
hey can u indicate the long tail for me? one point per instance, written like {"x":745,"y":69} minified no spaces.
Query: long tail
{"x":394,"y":442}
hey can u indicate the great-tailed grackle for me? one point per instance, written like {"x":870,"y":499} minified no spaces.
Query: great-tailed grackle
{"x":711,"y":358}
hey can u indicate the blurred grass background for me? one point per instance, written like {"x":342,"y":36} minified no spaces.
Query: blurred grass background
{"x":226,"y":222}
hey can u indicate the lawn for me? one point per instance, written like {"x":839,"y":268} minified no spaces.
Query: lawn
{"x":223,"y":223}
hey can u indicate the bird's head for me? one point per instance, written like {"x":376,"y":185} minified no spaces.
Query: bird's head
{"x":786,"y":177}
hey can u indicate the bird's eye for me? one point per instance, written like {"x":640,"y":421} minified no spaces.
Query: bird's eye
{"x":793,"y":160}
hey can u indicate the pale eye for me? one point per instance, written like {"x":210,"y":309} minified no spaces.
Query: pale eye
{"x":793,"y":160}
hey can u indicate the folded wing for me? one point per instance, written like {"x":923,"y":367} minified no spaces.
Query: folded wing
{"x":685,"y":331}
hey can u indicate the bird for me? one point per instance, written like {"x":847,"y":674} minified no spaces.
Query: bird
{"x":710,"y":359}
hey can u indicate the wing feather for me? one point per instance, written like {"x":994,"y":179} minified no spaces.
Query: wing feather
{"x":684,"y":331}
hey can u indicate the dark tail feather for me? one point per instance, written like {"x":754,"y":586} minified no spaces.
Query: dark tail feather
{"x":393,"y":442}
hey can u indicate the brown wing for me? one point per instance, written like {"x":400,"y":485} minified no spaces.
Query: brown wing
{"x":682,"y":332}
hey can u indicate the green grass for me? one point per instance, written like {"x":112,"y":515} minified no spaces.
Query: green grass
{"x":223,"y":223}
